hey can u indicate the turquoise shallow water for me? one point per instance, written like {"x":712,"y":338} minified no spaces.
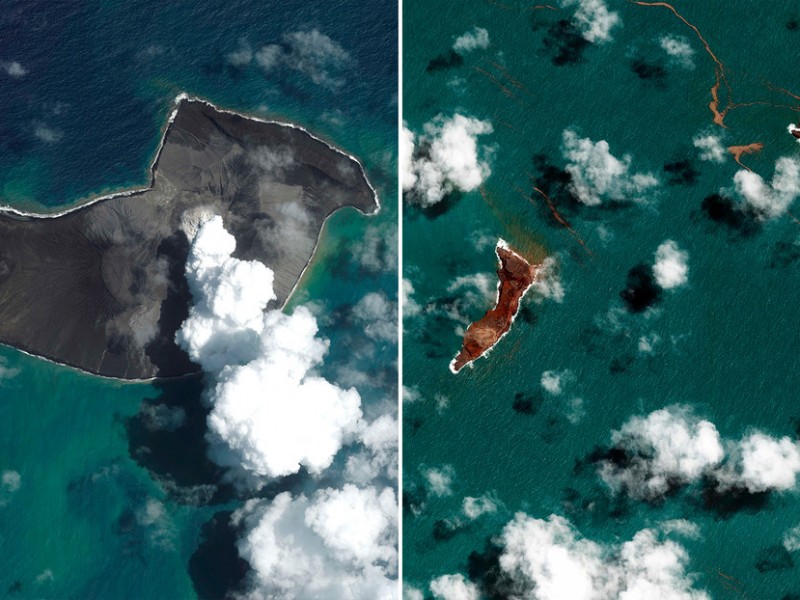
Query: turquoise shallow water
{"x":729,"y":340}
{"x":95,"y":514}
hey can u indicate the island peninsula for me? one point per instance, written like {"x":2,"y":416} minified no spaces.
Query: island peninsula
{"x":516,"y":276}
{"x":101,"y":287}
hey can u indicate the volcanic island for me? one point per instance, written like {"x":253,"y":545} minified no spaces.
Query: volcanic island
{"x":516,"y":276}
{"x":101,"y":287}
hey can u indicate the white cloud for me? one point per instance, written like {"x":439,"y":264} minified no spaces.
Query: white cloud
{"x":647,"y":343}
{"x":336,"y":544}
{"x":312,"y":53}
{"x":472,"y":40}
{"x":598,"y":176}
{"x":380,"y":452}
{"x":454,"y":587}
{"x":7,"y":372}
{"x":410,"y":306}
{"x":154,"y":519}
{"x":440,"y":480}
{"x":667,"y":447}
{"x":552,"y":381}
{"x":475,"y":507}
{"x":791,"y":539}
{"x":377,"y":249}
{"x":671,"y":269}
{"x":761,"y":463}
{"x":411,"y":394}
{"x":378,"y":316}
{"x":679,"y":50}
{"x":710,"y":147}
{"x":672,"y":446}
{"x":47,"y":134}
{"x":475,"y":293}
{"x":445,"y":158}
{"x":412,"y":593}
{"x":10,"y":482}
{"x":13,"y":68}
{"x":773,"y":199}
{"x":547,"y":284}
{"x":549,"y":560}
{"x":270,"y":414}
{"x":242,"y":56}
{"x":593,"y":19}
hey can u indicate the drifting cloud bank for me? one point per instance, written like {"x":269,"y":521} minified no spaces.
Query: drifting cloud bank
{"x":272,"y":415}
{"x":598,"y":176}
{"x":549,"y":560}
{"x":335,"y":544}
{"x":710,"y":147}
{"x":445,"y":158}
{"x":673,"y":447}
{"x":312,"y":53}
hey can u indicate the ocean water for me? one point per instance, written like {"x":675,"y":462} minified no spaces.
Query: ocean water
{"x":729,"y":339}
{"x":106,"y":506}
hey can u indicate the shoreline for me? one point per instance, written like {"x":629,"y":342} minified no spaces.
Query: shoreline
{"x":90,"y":200}
{"x":501,"y":244}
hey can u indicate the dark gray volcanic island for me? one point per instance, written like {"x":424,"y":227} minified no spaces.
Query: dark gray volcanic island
{"x":102,"y":288}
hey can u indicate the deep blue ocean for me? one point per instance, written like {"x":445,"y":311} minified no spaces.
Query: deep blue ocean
{"x":94,"y":503}
{"x":728,"y":341}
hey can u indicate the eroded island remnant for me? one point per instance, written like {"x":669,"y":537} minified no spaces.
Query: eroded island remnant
{"x":101,"y":287}
{"x":516,"y":276}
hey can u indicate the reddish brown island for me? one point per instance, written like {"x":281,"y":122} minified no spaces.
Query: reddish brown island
{"x":516,"y":277}
{"x":795,"y":131}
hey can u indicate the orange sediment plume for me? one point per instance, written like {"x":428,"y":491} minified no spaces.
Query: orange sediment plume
{"x":544,"y":6}
{"x":558,"y":217}
{"x":498,"y":83}
{"x":719,"y":68}
{"x":739,"y":151}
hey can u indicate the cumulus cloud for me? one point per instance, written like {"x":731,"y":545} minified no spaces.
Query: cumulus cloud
{"x":411,"y":307}
{"x":671,"y":268}
{"x":552,"y":381}
{"x":547,"y":284}
{"x":678,"y":49}
{"x":10,"y":482}
{"x":476,"y":507}
{"x":379,"y":457}
{"x":439,"y":480}
{"x":320,"y":58}
{"x":478,"y":38}
{"x":242,"y":56}
{"x":13,"y":68}
{"x":593,"y":19}
{"x":761,"y":463}
{"x":338,"y":543}
{"x":454,"y":587}
{"x":598,"y":176}
{"x":378,"y":316}
{"x":770,"y":200}
{"x":377,"y":249}
{"x":270,"y":414}
{"x":673,"y":447}
{"x":445,"y":158}
{"x":668,"y":447}
{"x":791,"y":539}
{"x":47,"y":134}
{"x":550,"y":560}
{"x":710,"y":147}
{"x":7,"y":372}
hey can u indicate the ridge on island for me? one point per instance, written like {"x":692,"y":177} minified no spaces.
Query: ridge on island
{"x":516,"y":275}
{"x":101,"y":287}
